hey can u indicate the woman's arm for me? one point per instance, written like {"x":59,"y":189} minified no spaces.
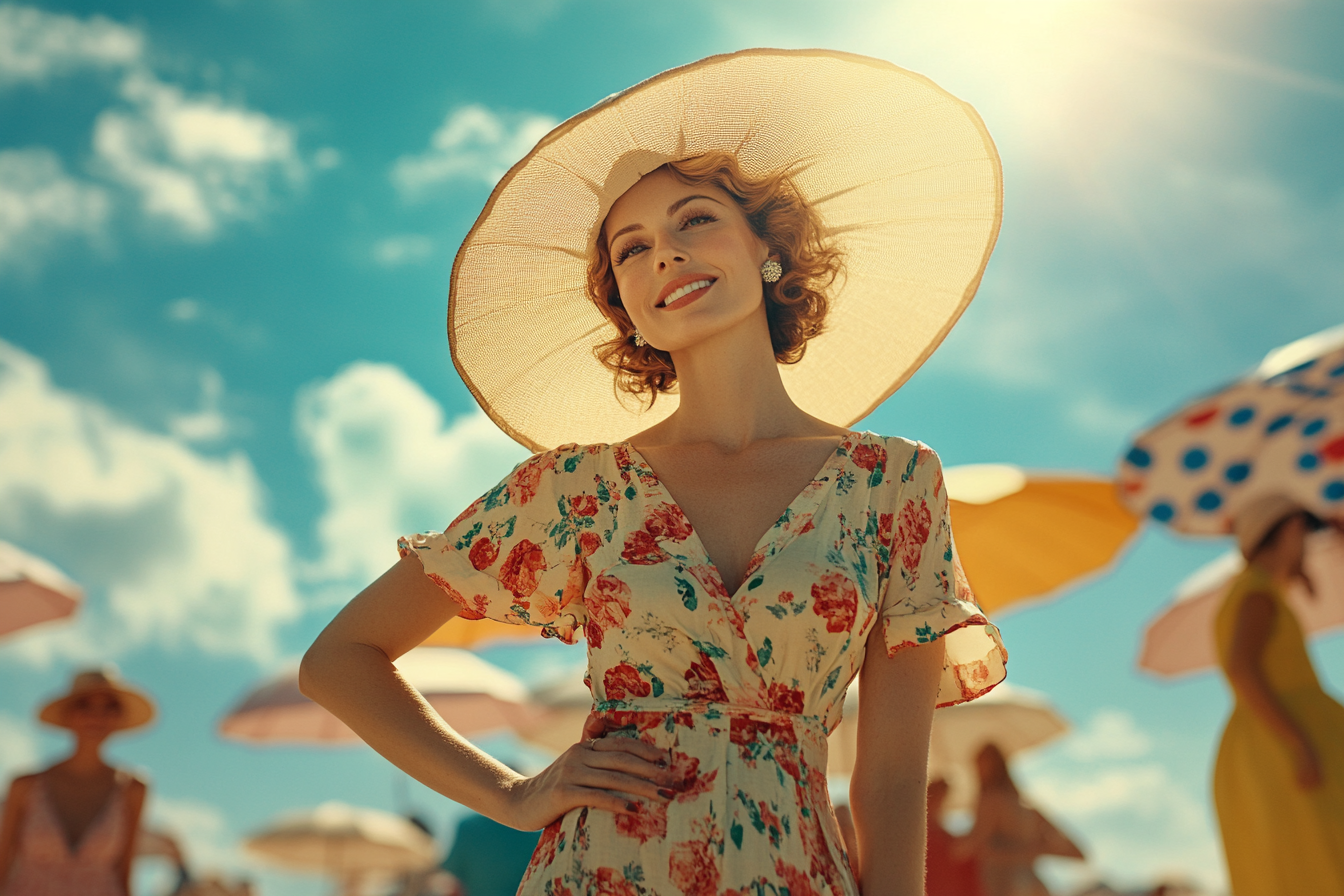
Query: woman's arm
{"x":12,"y":823}
{"x":1250,"y":635}
{"x":349,"y":671}
{"x":135,"y":804}
{"x":888,"y":790}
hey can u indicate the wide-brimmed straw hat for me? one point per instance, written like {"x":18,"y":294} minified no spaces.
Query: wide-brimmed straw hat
{"x":903,"y":175}
{"x":136,"y":707}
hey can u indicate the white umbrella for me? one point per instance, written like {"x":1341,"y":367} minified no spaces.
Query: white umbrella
{"x":344,"y":842}
{"x":559,"y":710}
{"x":32,"y":590}
{"x":1180,"y":641}
{"x":472,"y":695}
{"x":1014,"y":718}
{"x":1278,"y":429}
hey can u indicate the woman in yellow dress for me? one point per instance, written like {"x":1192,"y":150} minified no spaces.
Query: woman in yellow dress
{"x":1279,"y":779}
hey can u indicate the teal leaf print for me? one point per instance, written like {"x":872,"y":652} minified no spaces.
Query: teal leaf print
{"x":634,"y":872}
{"x":710,"y":650}
{"x":735,"y":831}
{"x":468,"y":537}
{"x":831,"y":679}
{"x":497,"y":496}
{"x":777,"y":611}
{"x":875,"y":479}
{"x":630,"y":492}
{"x":766,"y":651}
{"x":646,"y":669}
{"x":947,"y":554}
{"x":755,"y":583}
{"x":602,"y":494}
{"x":687,"y":592}
{"x":844,"y":482}
{"x":924,"y":634}
{"x":572,"y":463}
{"x":910,"y":467}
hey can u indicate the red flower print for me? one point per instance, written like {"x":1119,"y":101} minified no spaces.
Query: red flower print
{"x":869,"y":456}
{"x":704,"y":683}
{"x":799,"y":883}
{"x":776,"y":740}
{"x":550,"y":839}
{"x":884,"y":521}
{"x":483,"y":553}
{"x":647,"y":821}
{"x":611,"y":882}
{"x":667,"y":521}
{"x":641,"y":549}
{"x":525,"y":482}
{"x":623,"y":680}
{"x":786,"y":699}
{"x":468,"y":612}
{"x":686,"y":778}
{"x":519,"y":572}
{"x":786,"y":597}
{"x":608,"y":606}
{"x":912,"y":533}
{"x":692,"y":868}
{"x":589,"y":542}
{"x":835,"y":597}
{"x":583,"y":505}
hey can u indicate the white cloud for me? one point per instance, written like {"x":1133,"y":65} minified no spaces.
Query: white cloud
{"x":389,"y":465}
{"x":40,"y":204}
{"x":19,"y":749}
{"x":177,"y":543}
{"x":406,"y":248}
{"x":200,"y":829}
{"x":35,"y":44}
{"x":194,"y":161}
{"x":1136,"y":820}
{"x":474,"y":144}
{"x":207,"y":424}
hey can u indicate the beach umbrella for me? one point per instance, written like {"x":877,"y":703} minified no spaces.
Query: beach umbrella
{"x":1278,"y":429}
{"x":1024,"y":535}
{"x":1014,"y":718}
{"x":344,"y":842}
{"x":477,"y":633}
{"x":32,"y":590}
{"x":560,"y":708}
{"x":473,"y":696}
{"x":1180,"y":641}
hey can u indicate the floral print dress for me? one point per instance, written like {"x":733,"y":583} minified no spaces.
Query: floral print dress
{"x":740,"y":689}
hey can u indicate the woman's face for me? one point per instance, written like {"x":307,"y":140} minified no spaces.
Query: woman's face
{"x":94,"y":715}
{"x":686,"y":262}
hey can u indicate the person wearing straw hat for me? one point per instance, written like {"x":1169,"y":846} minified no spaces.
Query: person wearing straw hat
{"x":1278,"y":781}
{"x":682,"y":299}
{"x":70,"y":830}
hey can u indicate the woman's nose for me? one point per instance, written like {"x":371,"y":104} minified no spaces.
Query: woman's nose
{"x":670,"y":253}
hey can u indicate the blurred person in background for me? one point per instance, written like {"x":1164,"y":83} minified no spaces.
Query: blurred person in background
{"x":945,"y":872}
{"x":1278,"y":782}
{"x":70,"y":830}
{"x":1008,"y":834}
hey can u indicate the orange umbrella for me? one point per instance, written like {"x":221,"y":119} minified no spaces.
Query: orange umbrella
{"x":1024,"y":535}
{"x":32,"y":590}
{"x":476,"y":633}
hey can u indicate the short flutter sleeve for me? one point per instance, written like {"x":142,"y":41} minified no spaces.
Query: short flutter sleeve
{"x":925,"y":595}
{"x":518,"y":553}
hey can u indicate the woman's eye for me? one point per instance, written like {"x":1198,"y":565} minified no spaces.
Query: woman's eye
{"x":627,"y":251}
{"x":694,"y":220}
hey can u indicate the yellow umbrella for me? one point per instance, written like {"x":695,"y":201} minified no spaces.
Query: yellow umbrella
{"x":1026,"y":535}
{"x":474,"y":633}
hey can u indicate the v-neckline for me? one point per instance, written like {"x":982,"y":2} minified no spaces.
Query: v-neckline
{"x":73,"y":850}
{"x":836,"y":456}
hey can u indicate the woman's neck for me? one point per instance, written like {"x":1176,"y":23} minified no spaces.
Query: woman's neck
{"x":87,"y":758}
{"x":731,"y":393}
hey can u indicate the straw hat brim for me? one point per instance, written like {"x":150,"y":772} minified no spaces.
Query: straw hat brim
{"x":136,"y":708}
{"x":903,"y":175}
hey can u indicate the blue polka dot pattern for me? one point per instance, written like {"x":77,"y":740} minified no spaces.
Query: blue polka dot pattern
{"x":1333,"y":491}
{"x":1237,"y":473}
{"x":1314,"y":427}
{"x":1338,"y":371}
{"x":1195,"y":459}
{"x":1241,"y":416}
{"x":1209,"y":501}
{"x":1138,"y":457}
{"x":1162,"y":512}
{"x":1308,"y":462}
{"x":1279,"y":423}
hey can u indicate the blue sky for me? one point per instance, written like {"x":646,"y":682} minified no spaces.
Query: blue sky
{"x":226,"y":230}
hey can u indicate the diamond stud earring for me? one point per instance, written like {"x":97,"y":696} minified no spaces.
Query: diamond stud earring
{"x":638,"y":338}
{"x":771,"y":271}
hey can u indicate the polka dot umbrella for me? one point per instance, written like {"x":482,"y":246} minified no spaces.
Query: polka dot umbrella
{"x":1279,"y":429}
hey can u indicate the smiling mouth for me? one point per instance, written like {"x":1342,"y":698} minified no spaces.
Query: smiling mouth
{"x":683,"y":292}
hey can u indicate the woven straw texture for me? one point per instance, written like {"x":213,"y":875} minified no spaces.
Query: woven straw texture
{"x":903,"y":175}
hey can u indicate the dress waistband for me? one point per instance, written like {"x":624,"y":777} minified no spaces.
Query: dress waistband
{"x":719,"y":715}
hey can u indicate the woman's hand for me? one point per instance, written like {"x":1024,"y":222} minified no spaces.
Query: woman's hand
{"x":1306,"y":764}
{"x":605,"y":773}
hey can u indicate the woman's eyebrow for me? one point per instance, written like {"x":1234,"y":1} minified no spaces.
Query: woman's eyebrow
{"x":671,"y":210}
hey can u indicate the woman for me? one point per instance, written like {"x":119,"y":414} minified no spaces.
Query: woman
{"x":71,"y":829}
{"x":1009,"y":835}
{"x":946,"y":873}
{"x":733,"y":559}
{"x":1278,"y":782}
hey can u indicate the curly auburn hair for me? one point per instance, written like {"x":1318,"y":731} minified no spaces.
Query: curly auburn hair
{"x":795,"y":305}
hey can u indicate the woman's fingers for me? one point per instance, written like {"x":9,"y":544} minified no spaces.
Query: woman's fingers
{"x":633,"y":746}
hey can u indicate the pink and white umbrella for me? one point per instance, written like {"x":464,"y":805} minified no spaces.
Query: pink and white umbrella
{"x":32,"y":590}
{"x":1180,"y":640}
{"x":1279,"y":429}
{"x":473,"y":696}
{"x":344,"y":842}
